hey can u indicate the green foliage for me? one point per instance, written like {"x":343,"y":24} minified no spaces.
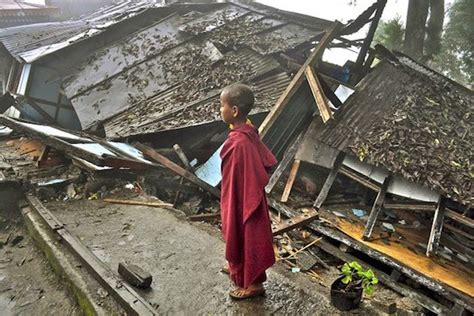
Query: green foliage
{"x":353,"y":271}
{"x":457,"y":46}
{"x":390,"y":33}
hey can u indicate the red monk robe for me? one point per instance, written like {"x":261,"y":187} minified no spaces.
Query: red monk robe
{"x":246,"y":226}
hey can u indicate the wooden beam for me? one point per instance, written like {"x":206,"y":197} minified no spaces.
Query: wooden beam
{"x":374,"y":212}
{"x":150,"y":152}
{"x":434,"y":285}
{"x":291,"y":180}
{"x":125,"y":295}
{"x":179,"y":151}
{"x":359,"y":178}
{"x":359,"y":64}
{"x":436,"y":229}
{"x":285,"y":162}
{"x":329,"y":93}
{"x":205,"y":217}
{"x":298,"y":79}
{"x":186,"y":164}
{"x":143,"y":203}
{"x":323,"y":194}
{"x":318,"y":94}
{"x":294,"y":222}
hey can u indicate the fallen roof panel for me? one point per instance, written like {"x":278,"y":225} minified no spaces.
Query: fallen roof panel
{"x":133,"y":49}
{"x":413,"y":123}
{"x":165,"y":112}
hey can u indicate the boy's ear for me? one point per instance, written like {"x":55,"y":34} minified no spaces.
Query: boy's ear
{"x":235,"y":111}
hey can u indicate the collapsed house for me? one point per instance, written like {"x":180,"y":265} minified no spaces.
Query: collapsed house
{"x":375,"y":154}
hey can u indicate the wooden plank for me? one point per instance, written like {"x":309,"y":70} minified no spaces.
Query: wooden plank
{"x":294,"y":222}
{"x":356,"y":177}
{"x":291,"y":180}
{"x":458,"y":231}
{"x":133,"y":202}
{"x":205,"y":217}
{"x":376,"y":208}
{"x":125,"y":295}
{"x":282,"y":102}
{"x":179,"y":151}
{"x":285,"y":162}
{"x":459,"y":218}
{"x":186,"y":164}
{"x":359,"y":64}
{"x":318,"y":94}
{"x":321,"y":227}
{"x":436,"y":229}
{"x":150,"y":152}
{"x":329,"y":93}
{"x":329,"y":181}
{"x":43,"y":157}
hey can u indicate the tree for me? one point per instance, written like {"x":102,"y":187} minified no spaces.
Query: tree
{"x":423,"y":28}
{"x":457,"y":49}
{"x":390,"y":33}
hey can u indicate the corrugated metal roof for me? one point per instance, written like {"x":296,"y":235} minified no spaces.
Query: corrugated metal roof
{"x":410,"y":120}
{"x":164,"y":111}
{"x":157,"y":58}
{"x":30,"y":42}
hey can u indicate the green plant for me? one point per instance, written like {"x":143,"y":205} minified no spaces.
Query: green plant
{"x":354,"y":273}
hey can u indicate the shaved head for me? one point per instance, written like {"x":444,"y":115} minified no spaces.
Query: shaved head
{"x":239,"y":95}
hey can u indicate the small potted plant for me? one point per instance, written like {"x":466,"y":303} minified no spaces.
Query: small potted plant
{"x":346,"y":291}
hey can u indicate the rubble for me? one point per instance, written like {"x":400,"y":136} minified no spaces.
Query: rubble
{"x":382,"y":177}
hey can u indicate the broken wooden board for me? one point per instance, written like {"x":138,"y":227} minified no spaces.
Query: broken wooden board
{"x":150,"y":152}
{"x":294,"y":222}
{"x":136,"y":202}
{"x":317,"y":90}
{"x":298,"y":79}
{"x":326,"y":228}
{"x":452,"y":276}
{"x":290,"y":181}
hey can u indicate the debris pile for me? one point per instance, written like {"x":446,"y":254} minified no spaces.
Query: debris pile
{"x":375,"y":168}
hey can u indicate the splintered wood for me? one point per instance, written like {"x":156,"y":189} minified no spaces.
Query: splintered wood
{"x":453,"y":275}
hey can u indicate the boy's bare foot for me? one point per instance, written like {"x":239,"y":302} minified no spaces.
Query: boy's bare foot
{"x":252,"y":291}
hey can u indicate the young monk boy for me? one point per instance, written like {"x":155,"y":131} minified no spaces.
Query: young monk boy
{"x":246,"y":224}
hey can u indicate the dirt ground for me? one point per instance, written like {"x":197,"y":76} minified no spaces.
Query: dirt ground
{"x":28,"y":286}
{"x":184,"y":259}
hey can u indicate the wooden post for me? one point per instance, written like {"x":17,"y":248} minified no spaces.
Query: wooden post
{"x":318,"y":94}
{"x":188,"y":166}
{"x":183,"y":157}
{"x":298,"y":79}
{"x":291,"y":180}
{"x":436,"y":228}
{"x":329,"y":181}
{"x":150,"y":152}
{"x":285,"y":162}
{"x":369,"y":227}
{"x":359,"y":64}
{"x":43,"y":157}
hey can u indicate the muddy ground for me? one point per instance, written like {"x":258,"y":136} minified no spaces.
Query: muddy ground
{"x":184,"y":259}
{"x":28,"y":285}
